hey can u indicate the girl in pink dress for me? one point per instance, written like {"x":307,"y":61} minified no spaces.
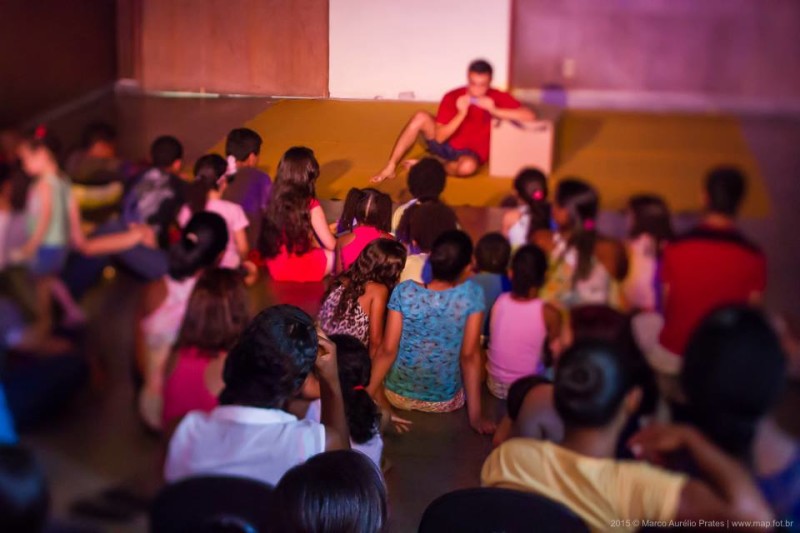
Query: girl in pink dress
{"x":370,"y":218}
{"x":216,"y":315}
{"x":295,"y":240}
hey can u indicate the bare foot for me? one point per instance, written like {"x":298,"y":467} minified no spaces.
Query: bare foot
{"x":408,"y":163}
{"x":386,"y":174}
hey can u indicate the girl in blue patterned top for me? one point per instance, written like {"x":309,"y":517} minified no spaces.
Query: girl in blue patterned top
{"x":430,"y":355}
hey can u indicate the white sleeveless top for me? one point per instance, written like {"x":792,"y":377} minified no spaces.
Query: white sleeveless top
{"x":161,"y":327}
{"x":596,"y":289}
{"x":518,"y":233}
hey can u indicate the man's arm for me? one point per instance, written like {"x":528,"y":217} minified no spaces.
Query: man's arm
{"x":521,"y":113}
{"x":445,"y":131}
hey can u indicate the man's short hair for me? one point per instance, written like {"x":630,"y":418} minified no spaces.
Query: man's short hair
{"x":165,"y":151}
{"x":241,"y":142}
{"x":725,"y":187}
{"x":481,"y":66}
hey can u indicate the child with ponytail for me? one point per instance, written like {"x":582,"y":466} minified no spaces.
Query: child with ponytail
{"x":521,"y":225}
{"x":212,"y":175}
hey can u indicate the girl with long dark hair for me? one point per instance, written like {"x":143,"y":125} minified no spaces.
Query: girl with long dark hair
{"x":521,"y":225}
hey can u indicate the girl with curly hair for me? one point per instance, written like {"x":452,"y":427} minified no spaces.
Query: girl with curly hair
{"x":356,"y":301}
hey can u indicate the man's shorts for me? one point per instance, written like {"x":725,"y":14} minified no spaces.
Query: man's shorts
{"x":447,"y":152}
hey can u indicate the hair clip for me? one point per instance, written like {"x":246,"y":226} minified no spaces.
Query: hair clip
{"x":40,"y":132}
{"x":588,"y":224}
{"x":359,"y":387}
{"x":538,"y":194}
{"x":231,"y":170}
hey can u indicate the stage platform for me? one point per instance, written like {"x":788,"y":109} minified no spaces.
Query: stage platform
{"x":622,"y":153}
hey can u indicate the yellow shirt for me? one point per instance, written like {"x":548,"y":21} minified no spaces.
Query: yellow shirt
{"x":607,"y":494}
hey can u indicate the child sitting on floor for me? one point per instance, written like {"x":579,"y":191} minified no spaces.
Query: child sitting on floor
{"x":533,"y":214}
{"x":523,"y":327}
{"x":492,"y":254}
{"x":250,"y":434}
{"x":369,"y":219}
{"x":420,"y":226}
{"x":426,"y":182}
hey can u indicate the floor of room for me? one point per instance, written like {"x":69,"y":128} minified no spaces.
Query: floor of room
{"x":97,"y":443}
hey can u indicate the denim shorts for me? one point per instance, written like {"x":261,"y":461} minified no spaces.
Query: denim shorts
{"x":49,"y":260}
{"x":446,"y":151}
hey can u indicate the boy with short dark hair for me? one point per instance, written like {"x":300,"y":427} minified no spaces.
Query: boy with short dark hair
{"x":250,"y":187}
{"x":426,"y":183}
{"x":279,"y":356}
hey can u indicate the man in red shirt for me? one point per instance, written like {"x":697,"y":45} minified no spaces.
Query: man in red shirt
{"x":712,"y":265}
{"x":459,"y":134}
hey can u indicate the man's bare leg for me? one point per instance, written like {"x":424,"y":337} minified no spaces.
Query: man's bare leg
{"x":421,"y":123}
{"x":465,"y":165}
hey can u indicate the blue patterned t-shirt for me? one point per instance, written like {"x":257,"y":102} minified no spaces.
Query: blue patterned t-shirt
{"x":428,"y":364}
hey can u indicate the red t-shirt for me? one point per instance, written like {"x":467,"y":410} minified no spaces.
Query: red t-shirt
{"x":473,"y":134}
{"x":703,"y":270}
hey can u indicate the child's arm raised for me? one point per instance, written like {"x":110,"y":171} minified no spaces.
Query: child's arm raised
{"x":337,"y":432}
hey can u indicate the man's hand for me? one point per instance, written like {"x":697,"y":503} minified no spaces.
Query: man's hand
{"x":327,"y":367}
{"x":463,"y":103}
{"x":486,"y":103}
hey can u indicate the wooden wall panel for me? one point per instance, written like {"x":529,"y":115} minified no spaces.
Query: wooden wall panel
{"x":739,"y":48}
{"x":264,"y":47}
{"x":52,"y":52}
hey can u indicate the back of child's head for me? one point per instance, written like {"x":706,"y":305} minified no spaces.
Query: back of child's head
{"x":725,"y":190}
{"x":519,"y":390}
{"x":426,"y":179}
{"x":24,"y":498}
{"x":528,"y":268}
{"x":209,"y":170}
{"x":580,"y":202}
{"x":531,"y":187}
{"x":340,"y":491}
{"x":242,"y":142}
{"x":592,"y":379}
{"x":355,"y":366}
{"x":492,"y":253}
{"x":272,"y":358}
{"x":423,"y":223}
{"x":98,"y":132}
{"x":733,"y":374}
{"x":202,"y":241}
{"x":217,"y":312}
{"x":450,"y":255}
{"x":165,"y":151}
{"x":43,"y":138}
{"x":374,"y":209}
{"x":287,"y":221}
{"x":349,"y":209}
{"x":650,"y":215}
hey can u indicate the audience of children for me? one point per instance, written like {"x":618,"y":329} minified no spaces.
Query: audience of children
{"x":406,"y":317}
{"x":523,"y":327}
{"x":295,"y":240}
{"x":355,"y":303}
{"x":249,"y":434}
{"x":522,"y":224}
{"x":211,"y":179}
{"x":369,"y":219}
{"x":216,"y":314}
{"x":163,"y":305}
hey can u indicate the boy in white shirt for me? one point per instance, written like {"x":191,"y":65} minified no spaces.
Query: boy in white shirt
{"x":249,"y":434}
